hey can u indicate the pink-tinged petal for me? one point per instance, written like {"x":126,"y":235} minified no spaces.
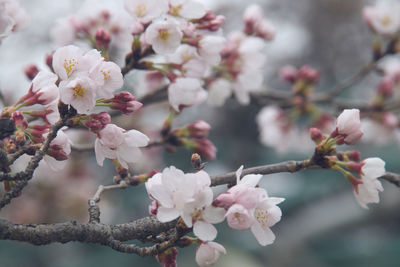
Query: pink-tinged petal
{"x":128,"y":154}
{"x":264,"y":236}
{"x":166,"y":214}
{"x":187,"y":214}
{"x":274,"y":215}
{"x":66,"y":60}
{"x":98,"y":151}
{"x":213,"y":214}
{"x":192,"y":10}
{"x":275,"y":200}
{"x":251,"y":179}
{"x":373,"y":167}
{"x":55,"y":165}
{"x":224,"y":200}
{"x":205,"y":231}
{"x":208,"y":253}
{"x":239,"y":174}
{"x":162,"y":195}
{"x":239,"y":217}
{"x":136,"y":138}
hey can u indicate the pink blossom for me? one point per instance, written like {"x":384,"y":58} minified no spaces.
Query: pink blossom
{"x":210,"y":47}
{"x":58,"y":151}
{"x":114,"y":142}
{"x":186,"y":92}
{"x":250,"y":207}
{"x":44,"y":88}
{"x":164,"y":36}
{"x":348,"y":125}
{"x":368,"y":191}
{"x":80,"y":93}
{"x":146,"y":10}
{"x":383,"y":17}
{"x":208,"y":253}
{"x":188,"y":9}
{"x":198,"y":129}
{"x":112,"y":79}
{"x":219,"y":90}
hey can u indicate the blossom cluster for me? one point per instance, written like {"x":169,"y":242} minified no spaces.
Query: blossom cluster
{"x":190,"y":198}
{"x":348,"y":131}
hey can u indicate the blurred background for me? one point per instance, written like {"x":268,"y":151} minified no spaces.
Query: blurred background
{"x":322,"y":225}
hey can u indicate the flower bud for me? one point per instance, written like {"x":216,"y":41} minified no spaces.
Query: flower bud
{"x":19,"y":120}
{"x":288,"y":73}
{"x":103,"y":39}
{"x":198,"y":129}
{"x":168,"y":257}
{"x":204,"y":147}
{"x":316,"y":135}
{"x":309,"y":74}
{"x":386,"y":87}
{"x":124,"y":102}
{"x":97,"y":122}
{"x":31,"y":71}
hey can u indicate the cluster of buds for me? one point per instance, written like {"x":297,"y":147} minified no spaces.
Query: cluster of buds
{"x":193,"y":137}
{"x":303,"y":79}
{"x":363,"y":175}
{"x":256,"y":24}
{"x":124,"y":102}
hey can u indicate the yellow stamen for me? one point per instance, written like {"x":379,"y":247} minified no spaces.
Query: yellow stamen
{"x":140,"y":10}
{"x":261,"y":216}
{"x":175,"y":10}
{"x":79,"y":91}
{"x":69,"y":65}
{"x":163,"y":35}
{"x":386,"y":20}
{"x":106,"y":74}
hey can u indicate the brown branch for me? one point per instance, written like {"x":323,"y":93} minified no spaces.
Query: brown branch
{"x":391,"y":177}
{"x":22,"y":178}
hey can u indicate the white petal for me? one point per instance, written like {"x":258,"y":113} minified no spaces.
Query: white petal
{"x":213,"y":214}
{"x":264,"y":236}
{"x":204,"y":231}
{"x":166,"y":214}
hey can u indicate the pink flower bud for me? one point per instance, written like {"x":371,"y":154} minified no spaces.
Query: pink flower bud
{"x":103,"y":38}
{"x":349,"y":126}
{"x":153,"y":207}
{"x":390,"y":120}
{"x":168,"y":257}
{"x":354,"y":155}
{"x":198,"y":129}
{"x":386,"y":87}
{"x":316,"y":135}
{"x":309,"y":74}
{"x":206,"y":149}
{"x":19,"y":120}
{"x":97,"y":122}
{"x":49,"y":60}
{"x":125,"y":103}
{"x":288,"y":73}
{"x":37,"y":132}
{"x":31,"y":71}
{"x":137,"y":28}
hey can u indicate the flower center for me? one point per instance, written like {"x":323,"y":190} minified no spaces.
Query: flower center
{"x":79,"y":91}
{"x":69,"y":65}
{"x":140,"y":10}
{"x":175,"y":10}
{"x":261,"y":216}
{"x":163,"y":35}
{"x":387,"y":20}
{"x":106,"y":74}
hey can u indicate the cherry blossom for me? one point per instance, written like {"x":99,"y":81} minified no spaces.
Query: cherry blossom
{"x":210,"y":47}
{"x":58,"y":151}
{"x":44,"y":88}
{"x":114,"y":142}
{"x":186,"y":92}
{"x":79,"y":93}
{"x":383,"y":17}
{"x":368,"y":191}
{"x":146,"y":10}
{"x":164,"y":36}
{"x":188,"y":9}
{"x":250,"y":207}
{"x":208,"y":253}
{"x":348,"y":125}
